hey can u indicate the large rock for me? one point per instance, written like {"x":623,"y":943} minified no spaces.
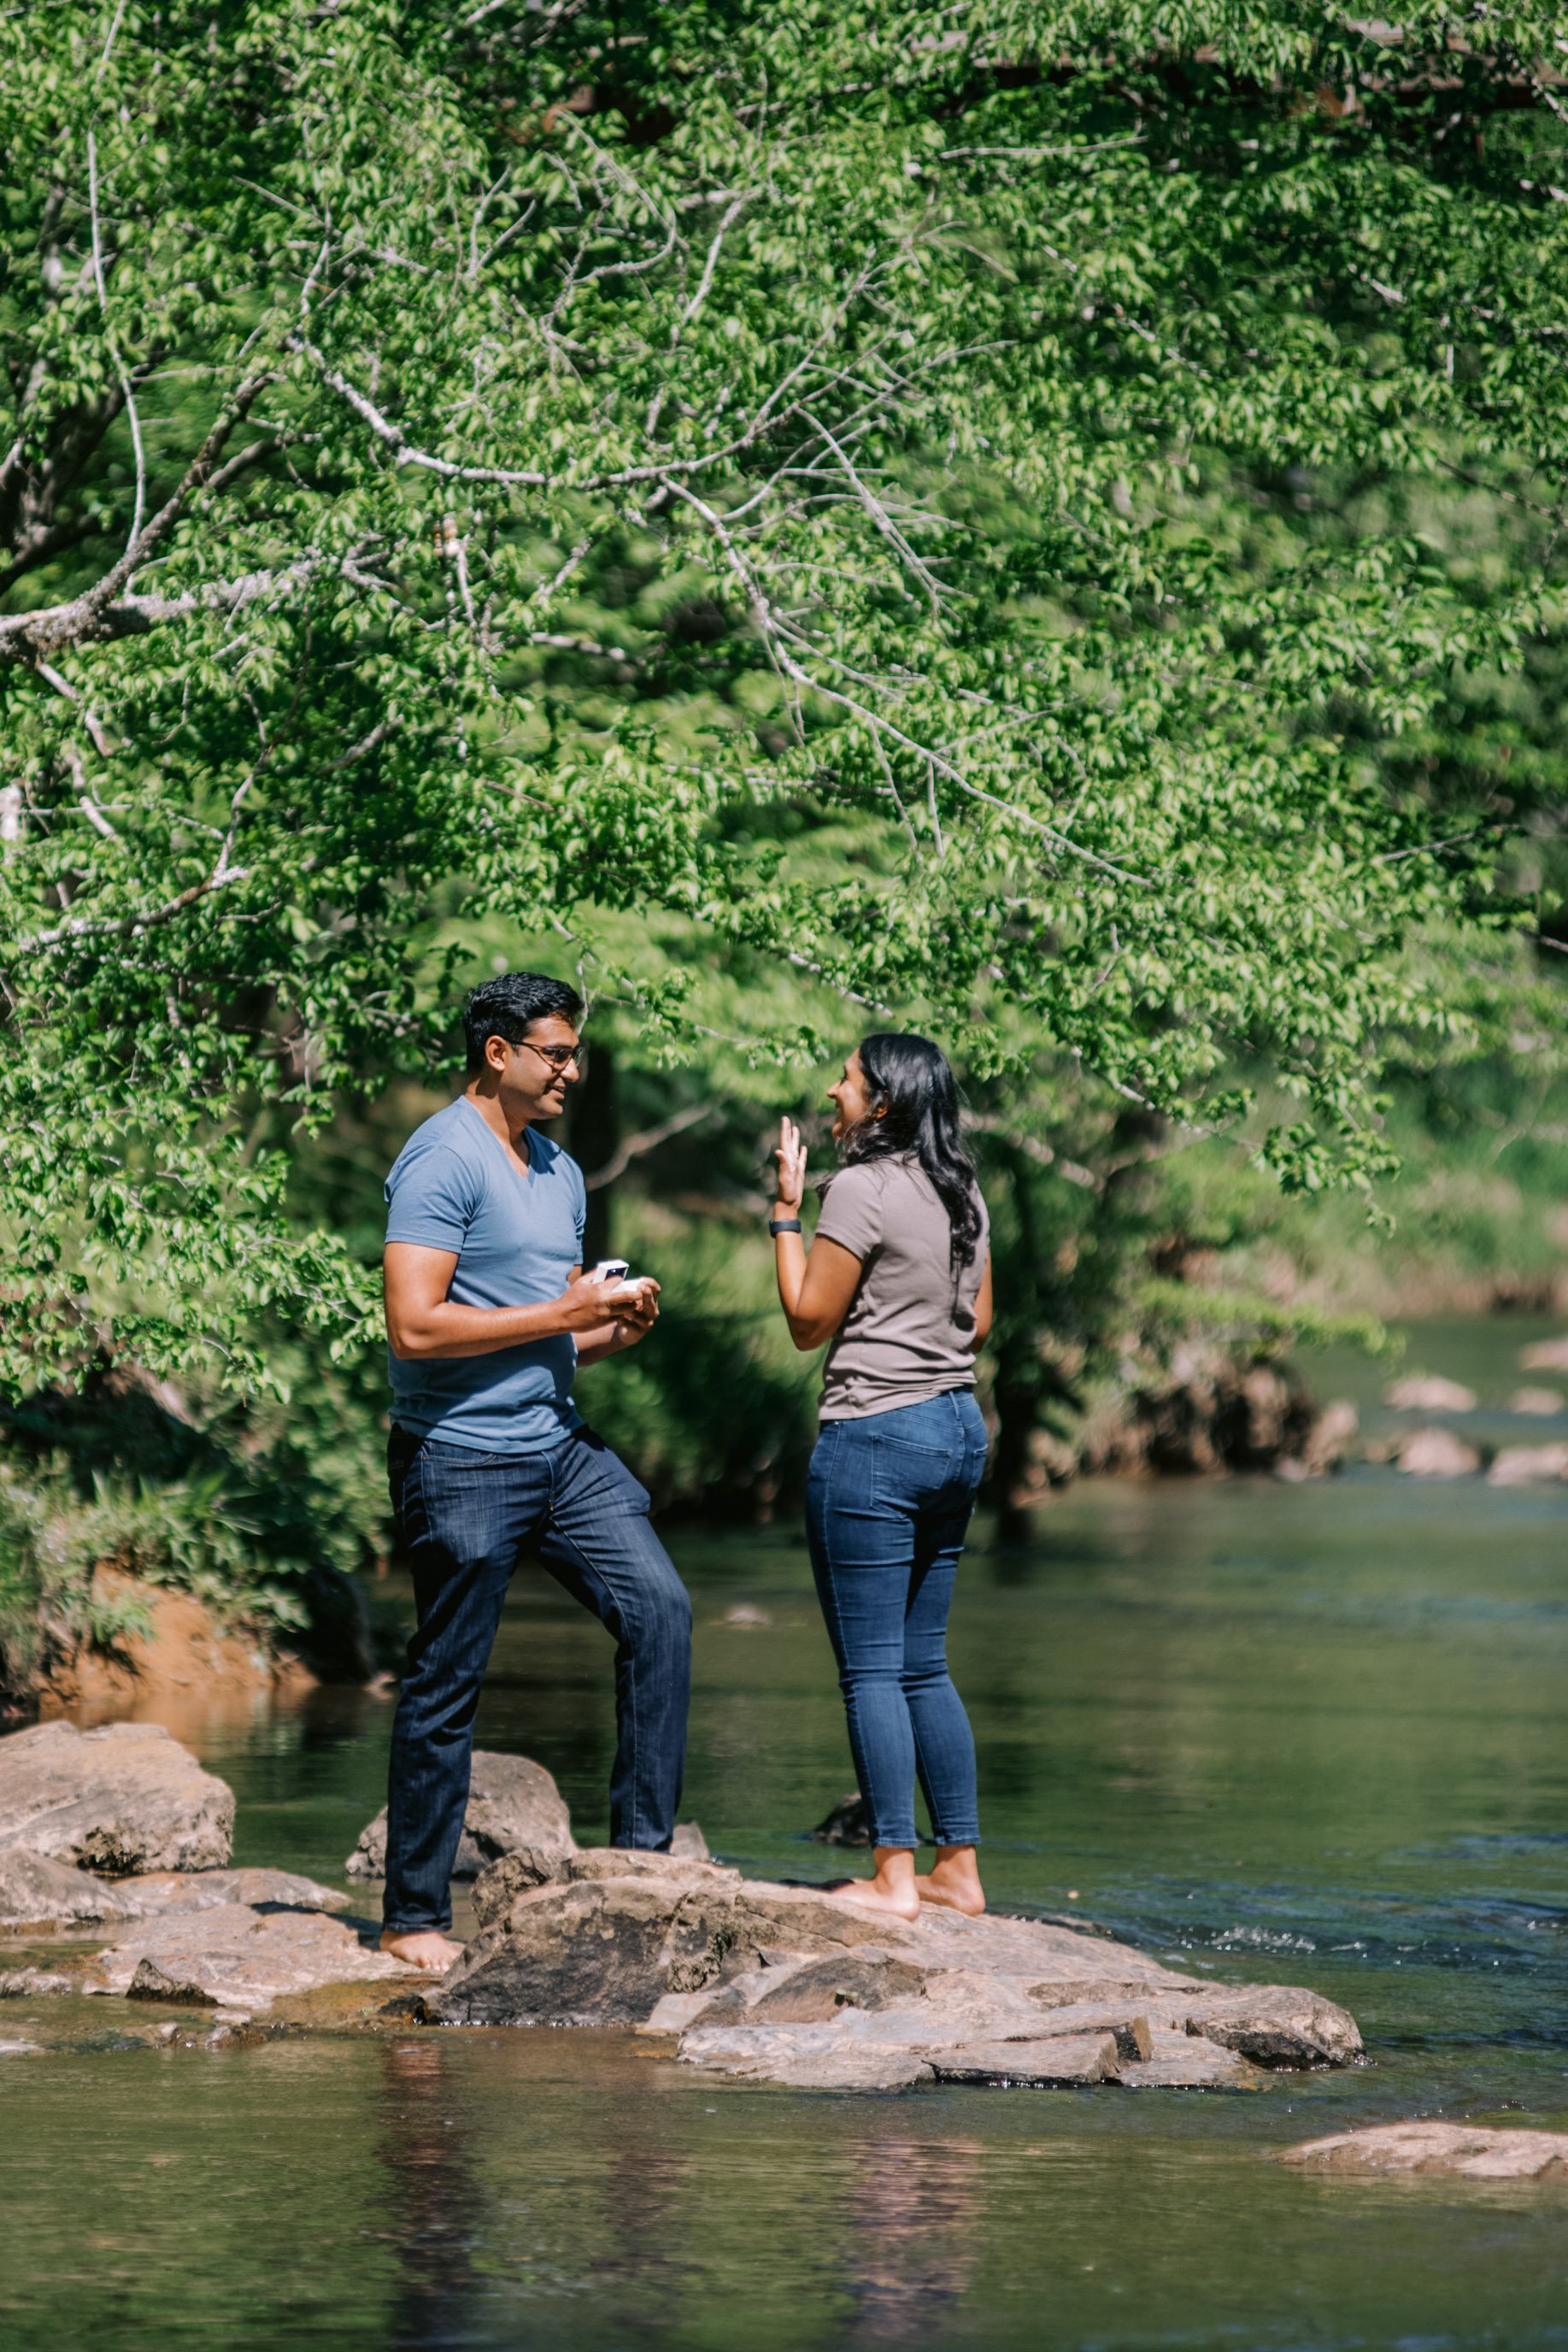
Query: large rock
{"x":1468,"y":2150}
{"x":235,"y":1957}
{"x":782,"y":1984}
{"x":513,"y":1806}
{"x":36,"y":1893}
{"x":124,"y":1798}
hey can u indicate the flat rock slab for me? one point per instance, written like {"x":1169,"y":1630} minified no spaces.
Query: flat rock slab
{"x":238,"y":1957}
{"x":207,"y":1890}
{"x":1466,"y":2150}
{"x":513,"y":1804}
{"x":37,"y":1893}
{"x":1056,"y":2063}
{"x":783,"y":1984}
{"x":125,"y":1798}
{"x":1188,"y":2062}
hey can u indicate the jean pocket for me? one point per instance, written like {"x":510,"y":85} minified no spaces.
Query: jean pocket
{"x":905,"y":1474}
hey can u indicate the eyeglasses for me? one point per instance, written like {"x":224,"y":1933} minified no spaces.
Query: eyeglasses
{"x":560,"y":1057}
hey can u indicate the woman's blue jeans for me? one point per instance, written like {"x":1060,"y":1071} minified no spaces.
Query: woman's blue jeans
{"x":887,"y":1506}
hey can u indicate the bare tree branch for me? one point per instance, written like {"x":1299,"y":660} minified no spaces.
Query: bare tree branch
{"x":140,"y":507}
{"x":651,"y":1137}
{"x":59,"y":626}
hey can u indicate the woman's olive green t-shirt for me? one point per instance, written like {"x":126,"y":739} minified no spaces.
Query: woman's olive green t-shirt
{"x":910,"y":1331}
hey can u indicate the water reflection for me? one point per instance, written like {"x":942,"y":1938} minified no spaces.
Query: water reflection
{"x":915,"y":2210}
{"x":434,"y":2201}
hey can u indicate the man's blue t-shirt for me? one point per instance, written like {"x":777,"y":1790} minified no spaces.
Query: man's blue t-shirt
{"x":456,"y":1186}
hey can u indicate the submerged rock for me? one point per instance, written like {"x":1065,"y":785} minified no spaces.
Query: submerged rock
{"x":514,"y":1806}
{"x":124,"y":1798}
{"x":1468,"y":2150}
{"x":783,"y":1984}
{"x":235,"y":1957}
{"x":37,"y":1893}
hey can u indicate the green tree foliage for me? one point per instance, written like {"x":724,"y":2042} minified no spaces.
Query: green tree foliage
{"x":1038,"y":522}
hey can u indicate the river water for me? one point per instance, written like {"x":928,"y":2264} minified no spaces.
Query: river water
{"x":1313,"y":1734}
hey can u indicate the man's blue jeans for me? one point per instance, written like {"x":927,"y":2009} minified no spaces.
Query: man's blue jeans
{"x":467,"y":1517}
{"x":887,"y":1506}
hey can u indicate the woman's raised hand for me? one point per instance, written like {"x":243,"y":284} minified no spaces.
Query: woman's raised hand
{"x":791,"y":1157}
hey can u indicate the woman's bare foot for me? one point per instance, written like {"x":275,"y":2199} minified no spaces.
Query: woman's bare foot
{"x":422,"y":1947}
{"x":892,"y":1890}
{"x":953,"y":1881}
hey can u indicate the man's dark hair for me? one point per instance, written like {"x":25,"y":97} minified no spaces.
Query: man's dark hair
{"x":508,"y":1007}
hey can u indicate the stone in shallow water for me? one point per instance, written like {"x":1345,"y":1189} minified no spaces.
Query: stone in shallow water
{"x":1274,"y":2025}
{"x":37,"y":1893}
{"x":847,"y":1823}
{"x":1429,"y":1393}
{"x":783,"y":1984}
{"x":593,"y":1953}
{"x":124,"y":1798}
{"x":513,"y":1804}
{"x":1529,"y":1466}
{"x":1438,"y":1453}
{"x":1187,"y":2061}
{"x":152,"y":1983}
{"x":205,"y":1890}
{"x":240,"y":1957}
{"x":1056,"y":2063}
{"x":1468,"y":2150}
{"x":22,"y":1984}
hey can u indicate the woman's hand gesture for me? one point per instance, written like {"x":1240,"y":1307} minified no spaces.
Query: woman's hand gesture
{"x":791,"y":1157}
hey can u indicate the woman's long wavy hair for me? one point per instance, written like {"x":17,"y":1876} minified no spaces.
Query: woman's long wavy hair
{"x":910,"y":1082}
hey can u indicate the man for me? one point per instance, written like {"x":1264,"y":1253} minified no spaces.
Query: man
{"x":489,"y":1314}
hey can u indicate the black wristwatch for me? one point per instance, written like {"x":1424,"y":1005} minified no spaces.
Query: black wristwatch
{"x":784,"y":1224}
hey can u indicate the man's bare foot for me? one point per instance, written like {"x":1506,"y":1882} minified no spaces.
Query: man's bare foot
{"x":953,"y":1881}
{"x":422,"y":1947}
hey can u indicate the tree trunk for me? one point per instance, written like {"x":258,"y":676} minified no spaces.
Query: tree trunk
{"x":592,"y":1134}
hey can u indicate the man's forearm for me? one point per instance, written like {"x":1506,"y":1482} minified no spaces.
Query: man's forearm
{"x":447,"y":1330}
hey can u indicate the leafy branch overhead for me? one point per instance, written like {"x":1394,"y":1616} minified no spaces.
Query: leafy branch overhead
{"x":569,"y":461}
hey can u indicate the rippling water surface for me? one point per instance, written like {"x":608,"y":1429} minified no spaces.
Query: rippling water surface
{"x":1312,"y":1734}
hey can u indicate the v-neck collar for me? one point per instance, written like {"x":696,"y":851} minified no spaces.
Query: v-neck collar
{"x":520,"y":1175}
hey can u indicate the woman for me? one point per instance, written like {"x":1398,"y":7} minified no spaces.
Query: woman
{"x":899,"y":1278}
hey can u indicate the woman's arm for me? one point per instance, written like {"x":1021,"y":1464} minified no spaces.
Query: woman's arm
{"x":816,"y":1291}
{"x":983,"y":1307}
